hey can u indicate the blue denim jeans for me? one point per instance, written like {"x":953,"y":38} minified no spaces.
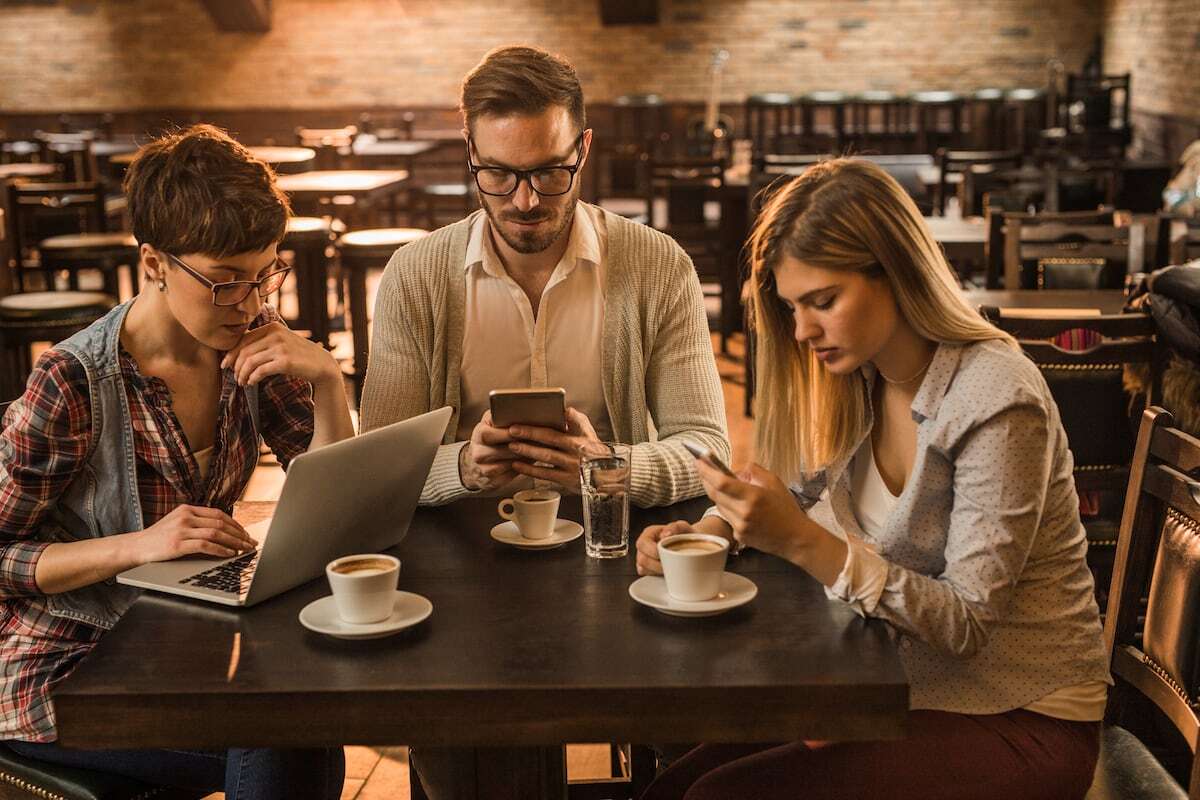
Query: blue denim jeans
{"x":242,"y":774}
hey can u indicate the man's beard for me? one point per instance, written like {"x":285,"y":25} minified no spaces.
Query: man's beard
{"x":529,"y":242}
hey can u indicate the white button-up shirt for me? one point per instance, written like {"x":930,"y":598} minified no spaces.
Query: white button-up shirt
{"x":506,"y":347}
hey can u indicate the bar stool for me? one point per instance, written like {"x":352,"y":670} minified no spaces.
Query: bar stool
{"x":41,"y":317}
{"x":309,"y":239}
{"x":106,"y":252}
{"x":359,"y":251}
{"x":939,"y":119}
{"x":454,"y":197}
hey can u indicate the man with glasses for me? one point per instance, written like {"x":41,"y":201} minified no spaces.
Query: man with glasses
{"x":540,"y":289}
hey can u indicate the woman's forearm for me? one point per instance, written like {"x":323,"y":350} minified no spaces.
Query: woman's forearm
{"x":331,"y":415}
{"x":64,"y":566}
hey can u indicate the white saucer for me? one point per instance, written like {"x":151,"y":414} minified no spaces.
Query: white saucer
{"x":564,"y":531}
{"x":652,"y":591}
{"x":321,"y":616}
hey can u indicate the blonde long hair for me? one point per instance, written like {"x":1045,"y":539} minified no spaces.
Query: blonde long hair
{"x":842,"y":214}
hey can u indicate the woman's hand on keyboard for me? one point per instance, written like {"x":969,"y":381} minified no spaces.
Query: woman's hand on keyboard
{"x":192,"y":530}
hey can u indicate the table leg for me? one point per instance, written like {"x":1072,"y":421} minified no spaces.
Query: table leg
{"x":356,"y":286}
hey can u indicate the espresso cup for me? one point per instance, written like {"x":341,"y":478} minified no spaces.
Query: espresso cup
{"x":533,"y":510}
{"x":364,"y":586}
{"x":693,"y":564}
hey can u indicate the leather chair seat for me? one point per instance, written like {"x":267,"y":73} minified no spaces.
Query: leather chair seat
{"x":40,"y":780}
{"x":1126,"y":770}
{"x":52,"y":308}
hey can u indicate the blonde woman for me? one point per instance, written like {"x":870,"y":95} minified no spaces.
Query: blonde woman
{"x":915,"y":464}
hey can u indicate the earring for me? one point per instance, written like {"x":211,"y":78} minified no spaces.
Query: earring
{"x":162,"y":284}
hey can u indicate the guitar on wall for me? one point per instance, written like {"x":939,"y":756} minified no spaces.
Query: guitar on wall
{"x":709,"y":137}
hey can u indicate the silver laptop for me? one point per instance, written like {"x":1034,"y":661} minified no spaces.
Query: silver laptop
{"x":355,"y":496}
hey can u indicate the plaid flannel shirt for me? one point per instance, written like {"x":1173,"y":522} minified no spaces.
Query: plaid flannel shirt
{"x":47,"y":440}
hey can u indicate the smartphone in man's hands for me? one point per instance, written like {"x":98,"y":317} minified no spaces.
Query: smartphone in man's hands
{"x":706,"y":455}
{"x":543,"y":407}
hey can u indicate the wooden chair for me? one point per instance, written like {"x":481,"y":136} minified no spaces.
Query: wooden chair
{"x":53,"y":226}
{"x":1086,"y":383}
{"x":1154,"y":659}
{"x":879,"y":122}
{"x":768,"y":119}
{"x":72,"y":151}
{"x":985,"y":118}
{"x":938,"y":117}
{"x":986,"y":187}
{"x":957,"y":162}
{"x":997,"y":220}
{"x":823,"y":121}
{"x":690,"y":186}
{"x":1024,"y":116}
{"x":333,"y":146}
{"x":1058,"y":255}
{"x":1178,"y":240}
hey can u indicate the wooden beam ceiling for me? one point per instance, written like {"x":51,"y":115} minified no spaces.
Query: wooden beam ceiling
{"x":241,"y":16}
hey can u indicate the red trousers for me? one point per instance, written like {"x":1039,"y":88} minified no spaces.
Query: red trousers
{"x":946,"y":756}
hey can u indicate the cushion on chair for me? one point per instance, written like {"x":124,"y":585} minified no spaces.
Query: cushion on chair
{"x":1127,"y":771}
{"x":38,"y":779}
{"x":52,"y":307}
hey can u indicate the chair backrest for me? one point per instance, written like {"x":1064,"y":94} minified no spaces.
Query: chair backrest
{"x":959,"y":161}
{"x":333,"y":145}
{"x":1178,"y":240}
{"x":1157,"y":548}
{"x":39,"y":210}
{"x":998,"y":221}
{"x":72,"y":151}
{"x":1060,"y":255}
{"x":688,"y":184}
{"x":1085,"y":380}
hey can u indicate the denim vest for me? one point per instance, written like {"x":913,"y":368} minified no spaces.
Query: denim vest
{"x":103,"y":499}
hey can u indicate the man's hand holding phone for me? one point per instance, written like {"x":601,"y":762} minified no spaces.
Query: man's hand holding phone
{"x":549,"y":454}
{"x":485,"y":462}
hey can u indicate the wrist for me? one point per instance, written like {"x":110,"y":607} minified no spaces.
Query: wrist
{"x":463,"y":470}
{"x":129,"y":550}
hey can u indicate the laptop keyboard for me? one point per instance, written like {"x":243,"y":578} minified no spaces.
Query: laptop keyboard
{"x":229,"y":576}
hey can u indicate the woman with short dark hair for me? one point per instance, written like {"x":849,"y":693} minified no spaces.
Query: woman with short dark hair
{"x":135,"y":436}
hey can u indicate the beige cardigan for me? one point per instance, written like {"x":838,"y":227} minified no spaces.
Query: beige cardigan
{"x":657,"y":355}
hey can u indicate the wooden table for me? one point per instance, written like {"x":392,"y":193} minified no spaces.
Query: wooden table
{"x":962,"y":239}
{"x":366,"y":186}
{"x":1108,"y":301}
{"x":523,"y":648}
{"x":23,"y":170}
{"x":405,"y":149}
{"x":285,"y":159}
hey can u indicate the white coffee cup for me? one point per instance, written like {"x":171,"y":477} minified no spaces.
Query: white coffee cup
{"x":533,"y":510}
{"x":364,"y":586}
{"x":693,"y":564}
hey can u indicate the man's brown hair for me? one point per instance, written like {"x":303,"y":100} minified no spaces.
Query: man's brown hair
{"x":199,"y":191}
{"x":521,"y":80}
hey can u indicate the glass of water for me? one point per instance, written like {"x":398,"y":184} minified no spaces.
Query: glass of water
{"x":604,"y":481}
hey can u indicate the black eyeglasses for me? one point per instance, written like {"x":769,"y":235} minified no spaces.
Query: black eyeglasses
{"x":231,"y":293}
{"x":546,"y":181}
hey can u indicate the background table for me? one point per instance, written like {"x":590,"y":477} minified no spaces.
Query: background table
{"x":523,"y":648}
{"x":1109,"y":301}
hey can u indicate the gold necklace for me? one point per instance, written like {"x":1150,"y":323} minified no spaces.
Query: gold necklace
{"x":916,"y":375}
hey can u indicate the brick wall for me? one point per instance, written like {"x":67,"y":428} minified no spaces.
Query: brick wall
{"x":125,"y":55}
{"x":1158,"y":41}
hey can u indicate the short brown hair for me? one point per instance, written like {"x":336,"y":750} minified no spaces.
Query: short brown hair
{"x":199,"y":191}
{"x":521,"y":80}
